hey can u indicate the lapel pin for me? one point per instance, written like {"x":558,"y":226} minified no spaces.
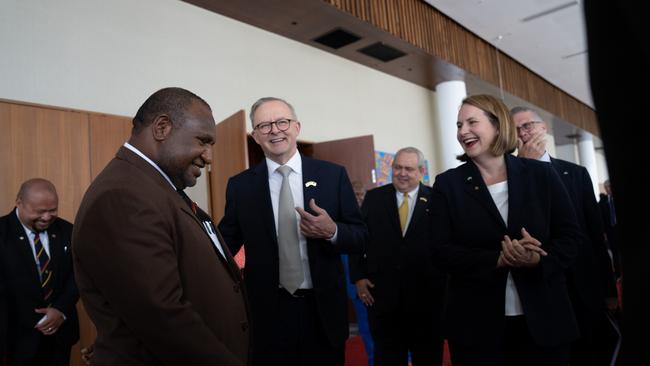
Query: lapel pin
{"x":469,"y":179}
{"x":423,"y":199}
{"x":53,"y":235}
{"x":22,"y":238}
{"x":311,"y":183}
{"x":476,"y":188}
{"x":565,"y":173}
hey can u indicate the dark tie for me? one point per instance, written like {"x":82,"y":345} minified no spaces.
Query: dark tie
{"x":187,"y":200}
{"x":43,"y":267}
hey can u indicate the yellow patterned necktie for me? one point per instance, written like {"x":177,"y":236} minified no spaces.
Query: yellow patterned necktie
{"x":404,"y":211}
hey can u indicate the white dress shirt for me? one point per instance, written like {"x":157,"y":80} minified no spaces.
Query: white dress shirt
{"x":499,"y":193}
{"x":45,"y":240}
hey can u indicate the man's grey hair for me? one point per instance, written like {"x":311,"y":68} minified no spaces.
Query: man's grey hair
{"x":412,"y":150}
{"x":521,"y":109}
{"x":261,"y":101}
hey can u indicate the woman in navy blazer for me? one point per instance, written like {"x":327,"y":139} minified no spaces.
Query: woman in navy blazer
{"x":505,"y":231}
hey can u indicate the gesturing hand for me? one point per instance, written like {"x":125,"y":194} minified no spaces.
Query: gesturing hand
{"x":320,"y":225}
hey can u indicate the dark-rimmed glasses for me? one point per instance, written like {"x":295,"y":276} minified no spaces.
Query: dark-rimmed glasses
{"x":527,"y":126}
{"x":282,"y":125}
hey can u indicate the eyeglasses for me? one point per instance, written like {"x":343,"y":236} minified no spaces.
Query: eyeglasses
{"x":527,"y":126}
{"x":282,"y":125}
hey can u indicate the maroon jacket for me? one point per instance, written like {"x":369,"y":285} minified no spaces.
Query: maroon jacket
{"x":149,"y":276}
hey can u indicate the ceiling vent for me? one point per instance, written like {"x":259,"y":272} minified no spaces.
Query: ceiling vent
{"x":382,"y":52}
{"x":337,"y":38}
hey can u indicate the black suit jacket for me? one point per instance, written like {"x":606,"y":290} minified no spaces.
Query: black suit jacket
{"x":249,"y":221}
{"x":468,"y":231}
{"x":591,"y":274}
{"x":20,"y":290}
{"x":611,"y":231}
{"x":399,"y":266}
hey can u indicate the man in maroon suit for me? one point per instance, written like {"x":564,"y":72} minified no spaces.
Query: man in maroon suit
{"x":152,"y":270}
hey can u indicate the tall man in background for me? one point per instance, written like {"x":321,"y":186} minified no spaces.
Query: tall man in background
{"x":395,"y":278}
{"x":152,"y":271}
{"x":295,"y":215}
{"x":591,"y":282}
{"x":37,"y":290}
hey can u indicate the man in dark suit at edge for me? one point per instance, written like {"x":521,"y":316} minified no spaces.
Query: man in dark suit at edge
{"x":295,"y":215}
{"x":591,"y":283}
{"x":37,"y":290}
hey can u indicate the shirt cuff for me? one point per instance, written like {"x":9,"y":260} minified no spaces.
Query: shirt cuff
{"x":333,"y":238}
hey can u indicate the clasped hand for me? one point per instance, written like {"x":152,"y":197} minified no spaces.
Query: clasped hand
{"x":524,"y":252}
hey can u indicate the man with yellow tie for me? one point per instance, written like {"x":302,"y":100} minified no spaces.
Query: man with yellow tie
{"x":394,"y":277}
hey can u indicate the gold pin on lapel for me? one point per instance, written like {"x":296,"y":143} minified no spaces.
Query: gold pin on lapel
{"x":423,"y":199}
{"x":311,"y":183}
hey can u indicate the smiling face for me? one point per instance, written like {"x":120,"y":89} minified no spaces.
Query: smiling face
{"x":37,"y":208}
{"x":406,"y":172}
{"x":277,"y":145}
{"x":188,"y":147}
{"x":476,"y":133}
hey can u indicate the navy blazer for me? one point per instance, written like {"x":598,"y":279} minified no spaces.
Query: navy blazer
{"x":20,"y":287}
{"x":468,"y":231}
{"x":248,"y":220}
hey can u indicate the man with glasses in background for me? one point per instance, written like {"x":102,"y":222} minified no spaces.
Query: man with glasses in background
{"x":295,"y":215}
{"x":591,"y":281}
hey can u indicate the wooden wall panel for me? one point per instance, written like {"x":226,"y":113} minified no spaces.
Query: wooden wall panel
{"x":107,"y":134}
{"x":47,"y":143}
{"x":420,"y":24}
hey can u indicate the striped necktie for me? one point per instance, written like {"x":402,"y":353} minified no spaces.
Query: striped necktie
{"x":44,"y":270}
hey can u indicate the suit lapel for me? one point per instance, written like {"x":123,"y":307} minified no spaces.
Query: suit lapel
{"x":24,"y":250}
{"x":56,"y":250}
{"x":391,"y":208}
{"x":310,"y":175}
{"x":421,"y":202}
{"x":475,"y":187}
{"x":263,"y":195}
{"x":516,"y":199}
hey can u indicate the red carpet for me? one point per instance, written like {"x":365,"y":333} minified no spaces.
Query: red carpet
{"x":355,"y":354}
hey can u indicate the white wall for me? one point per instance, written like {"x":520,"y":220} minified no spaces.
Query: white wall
{"x":109,"y":56}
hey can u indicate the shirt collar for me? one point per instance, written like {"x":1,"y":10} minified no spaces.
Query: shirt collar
{"x":143,"y":156}
{"x":295,"y":163}
{"x":546,"y":157}
{"x":412,"y":193}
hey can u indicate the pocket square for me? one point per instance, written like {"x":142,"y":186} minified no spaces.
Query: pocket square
{"x":311,"y":183}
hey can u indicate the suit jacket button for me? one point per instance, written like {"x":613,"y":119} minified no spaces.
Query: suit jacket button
{"x":235,"y":287}
{"x":244,"y":326}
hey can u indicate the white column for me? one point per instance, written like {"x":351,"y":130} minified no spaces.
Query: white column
{"x":447,"y":99}
{"x":587,"y":156}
